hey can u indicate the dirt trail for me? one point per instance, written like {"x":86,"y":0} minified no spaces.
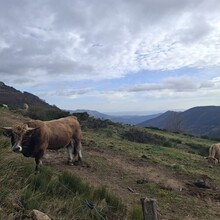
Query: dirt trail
{"x":116,"y":171}
{"x":141,"y":168}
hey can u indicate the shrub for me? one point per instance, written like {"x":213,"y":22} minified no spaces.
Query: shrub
{"x":167,"y":143}
{"x":89,"y":122}
{"x":141,"y":136}
{"x":200,"y":149}
{"x":38,"y":112}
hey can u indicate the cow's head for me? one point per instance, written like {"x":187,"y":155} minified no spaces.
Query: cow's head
{"x":18,"y":134}
{"x":212,"y":161}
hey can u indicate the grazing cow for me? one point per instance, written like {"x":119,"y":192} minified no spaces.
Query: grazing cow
{"x":26,"y":107}
{"x":34,"y":137}
{"x":5,"y":106}
{"x":214,"y":155}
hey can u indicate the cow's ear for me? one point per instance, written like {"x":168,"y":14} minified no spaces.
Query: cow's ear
{"x":7,"y":131}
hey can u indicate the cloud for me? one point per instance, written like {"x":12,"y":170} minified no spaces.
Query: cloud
{"x":73,"y":93}
{"x":59,"y":38}
{"x":45,"y":44}
{"x":174,"y":84}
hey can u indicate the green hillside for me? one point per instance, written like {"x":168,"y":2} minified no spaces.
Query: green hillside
{"x":198,"y":121}
{"x":37,"y":108}
{"x":116,"y":158}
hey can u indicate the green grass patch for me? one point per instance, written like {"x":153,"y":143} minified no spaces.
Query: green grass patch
{"x":62,"y":196}
{"x":135,"y":212}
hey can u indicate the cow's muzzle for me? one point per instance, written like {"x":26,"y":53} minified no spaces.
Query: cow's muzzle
{"x":17,"y":149}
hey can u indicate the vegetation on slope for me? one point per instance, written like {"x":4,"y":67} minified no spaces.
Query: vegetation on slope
{"x":114,"y":159}
{"x":62,"y":195}
{"x":37,"y":108}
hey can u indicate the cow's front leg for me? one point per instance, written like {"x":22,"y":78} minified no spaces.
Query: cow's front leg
{"x":70,"y":147}
{"x":38,"y":161}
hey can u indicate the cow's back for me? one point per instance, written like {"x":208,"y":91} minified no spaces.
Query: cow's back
{"x":58,"y":133}
{"x":61,"y":131}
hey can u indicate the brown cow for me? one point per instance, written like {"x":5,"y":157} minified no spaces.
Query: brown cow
{"x":214,"y":155}
{"x":34,"y":137}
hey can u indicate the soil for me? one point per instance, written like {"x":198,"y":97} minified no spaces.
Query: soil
{"x":121,"y":174}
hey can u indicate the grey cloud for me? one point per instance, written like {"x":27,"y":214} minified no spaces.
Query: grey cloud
{"x":145,"y":87}
{"x":37,"y":34}
{"x":207,"y":84}
{"x":197,"y":29}
{"x":180,"y":84}
{"x":70,"y":93}
{"x":176,"y":84}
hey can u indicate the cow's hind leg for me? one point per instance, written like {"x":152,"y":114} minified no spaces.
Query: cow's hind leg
{"x":77,"y":151}
{"x":70,"y":147}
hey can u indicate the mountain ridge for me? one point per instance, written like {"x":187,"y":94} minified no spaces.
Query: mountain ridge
{"x":124,"y":119}
{"x":199,"y":121}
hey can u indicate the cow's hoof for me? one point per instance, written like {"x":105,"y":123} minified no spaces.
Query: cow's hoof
{"x":76,"y":163}
{"x":70,"y":163}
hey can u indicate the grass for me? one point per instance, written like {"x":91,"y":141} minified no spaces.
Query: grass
{"x":135,"y":212}
{"x":181,"y":153}
{"x":52,"y":193}
{"x":65,"y":196}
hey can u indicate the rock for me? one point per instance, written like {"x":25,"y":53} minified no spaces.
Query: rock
{"x":38,"y":215}
{"x":202,"y":184}
{"x":141,"y":181}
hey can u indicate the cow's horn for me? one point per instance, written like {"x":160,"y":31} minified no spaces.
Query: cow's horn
{"x":31,"y":129}
{"x":7,"y":128}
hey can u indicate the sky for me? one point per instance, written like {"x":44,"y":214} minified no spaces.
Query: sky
{"x":113,"y":55}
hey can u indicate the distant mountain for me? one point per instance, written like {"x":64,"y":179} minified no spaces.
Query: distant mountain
{"x":124,"y":119}
{"x":38,"y":108}
{"x":199,"y":121}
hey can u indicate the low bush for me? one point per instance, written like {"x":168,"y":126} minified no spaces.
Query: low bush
{"x":141,"y":136}
{"x":199,"y":149}
{"x":167,"y":143}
